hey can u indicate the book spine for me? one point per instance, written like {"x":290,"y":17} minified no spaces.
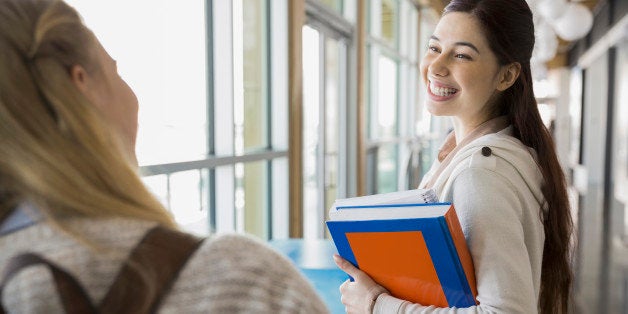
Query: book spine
{"x":461,"y":247}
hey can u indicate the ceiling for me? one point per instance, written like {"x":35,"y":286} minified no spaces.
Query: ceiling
{"x":563,"y":46}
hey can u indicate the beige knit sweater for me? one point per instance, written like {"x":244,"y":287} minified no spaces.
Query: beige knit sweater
{"x":228,"y":273}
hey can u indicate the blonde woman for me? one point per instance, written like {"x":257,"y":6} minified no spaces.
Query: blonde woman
{"x":69,"y":188}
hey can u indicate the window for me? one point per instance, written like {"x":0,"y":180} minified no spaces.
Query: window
{"x":250,"y":117}
{"x":386,"y":126}
{"x":389,"y":21}
{"x":393,"y":115}
{"x":312,"y":209}
{"x":325,"y":60}
{"x":251,"y":114}
{"x":164,"y":60}
{"x":212,"y":80}
{"x":425,"y":124}
{"x":211,"y":142}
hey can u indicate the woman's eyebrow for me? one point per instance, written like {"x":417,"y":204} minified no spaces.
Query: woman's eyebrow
{"x":460,"y":43}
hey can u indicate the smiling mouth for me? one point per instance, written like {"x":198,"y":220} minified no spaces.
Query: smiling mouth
{"x":442,"y":91}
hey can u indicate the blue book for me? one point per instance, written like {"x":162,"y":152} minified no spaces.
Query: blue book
{"x":414,"y":249}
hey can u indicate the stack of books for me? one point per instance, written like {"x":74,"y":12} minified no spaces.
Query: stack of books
{"x":409,"y":243}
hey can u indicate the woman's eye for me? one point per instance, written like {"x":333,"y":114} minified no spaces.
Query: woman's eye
{"x":463,"y":56}
{"x":433,"y":48}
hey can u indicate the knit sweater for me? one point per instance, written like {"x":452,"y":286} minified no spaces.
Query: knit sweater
{"x":497,"y":195}
{"x":227,"y":274}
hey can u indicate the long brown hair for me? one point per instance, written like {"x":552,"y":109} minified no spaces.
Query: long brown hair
{"x":509,"y":28}
{"x":56,"y":149}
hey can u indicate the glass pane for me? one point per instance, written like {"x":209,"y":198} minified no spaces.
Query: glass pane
{"x":422,"y":116}
{"x":251,"y":106}
{"x":332,"y":122}
{"x":206,"y":188}
{"x":349,"y":10}
{"x":335,"y":5}
{"x":186,"y":201}
{"x":370,"y":80}
{"x":251,"y":198}
{"x":224,"y":197}
{"x":423,"y":123}
{"x":387,"y":168}
{"x":413,"y":34}
{"x":620,"y":164}
{"x":371,"y":170}
{"x":390,"y":15}
{"x":167,"y":71}
{"x":158,"y":185}
{"x":311,"y":103}
{"x":185,"y":196}
{"x":280,"y":201}
{"x":387,"y":97}
{"x":408,"y":30}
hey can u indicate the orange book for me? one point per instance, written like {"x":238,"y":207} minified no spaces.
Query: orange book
{"x":415,"y":250}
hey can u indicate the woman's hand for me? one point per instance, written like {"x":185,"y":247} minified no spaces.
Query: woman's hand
{"x":358,"y":296}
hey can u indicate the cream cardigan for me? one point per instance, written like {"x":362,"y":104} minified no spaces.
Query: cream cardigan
{"x":228,"y":273}
{"x":498,"y":200}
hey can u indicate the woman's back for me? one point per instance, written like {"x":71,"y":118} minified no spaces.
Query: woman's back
{"x":228,"y":273}
{"x":68,"y":124}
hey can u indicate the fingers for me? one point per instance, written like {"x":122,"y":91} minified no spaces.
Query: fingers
{"x":344,"y":286}
{"x":346,"y":266}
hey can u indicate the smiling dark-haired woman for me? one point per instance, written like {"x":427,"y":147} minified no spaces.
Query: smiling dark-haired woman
{"x":499,"y":167}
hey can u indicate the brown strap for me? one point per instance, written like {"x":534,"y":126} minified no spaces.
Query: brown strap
{"x":72,"y":295}
{"x":143,"y":280}
{"x":149,"y":272}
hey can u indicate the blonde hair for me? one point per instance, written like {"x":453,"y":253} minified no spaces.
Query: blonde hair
{"x":56,"y":149}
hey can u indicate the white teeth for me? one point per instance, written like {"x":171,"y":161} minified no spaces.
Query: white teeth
{"x":442,"y":91}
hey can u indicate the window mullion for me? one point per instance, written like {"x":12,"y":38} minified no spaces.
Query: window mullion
{"x":224,"y":115}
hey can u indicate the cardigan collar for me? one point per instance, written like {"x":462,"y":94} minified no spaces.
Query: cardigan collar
{"x":23,"y":216}
{"x":449,"y":149}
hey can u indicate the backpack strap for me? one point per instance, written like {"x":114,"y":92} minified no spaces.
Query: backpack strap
{"x":150,"y":271}
{"x":73,"y":298}
{"x":142,"y":282}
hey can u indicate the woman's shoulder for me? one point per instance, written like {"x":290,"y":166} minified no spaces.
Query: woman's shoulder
{"x":503,"y":140}
{"x":248,"y":249}
{"x":500,"y":151}
{"x":45,"y":238}
{"x":240,"y":273}
{"x":233,"y":254}
{"x":500,"y":157}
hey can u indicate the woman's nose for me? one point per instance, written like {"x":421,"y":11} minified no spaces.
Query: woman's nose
{"x":438,"y":66}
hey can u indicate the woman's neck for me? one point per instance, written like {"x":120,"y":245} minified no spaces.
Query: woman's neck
{"x":462,"y":129}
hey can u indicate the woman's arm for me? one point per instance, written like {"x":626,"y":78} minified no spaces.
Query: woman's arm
{"x":490,"y":210}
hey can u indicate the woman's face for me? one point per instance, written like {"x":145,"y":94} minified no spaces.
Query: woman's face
{"x":112,"y":95}
{"x":460,"y":71}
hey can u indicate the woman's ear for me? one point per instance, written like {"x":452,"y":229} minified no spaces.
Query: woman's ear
{"x":508,"y":76}
{"x":86,"y":84}
{"x":79,"y":78}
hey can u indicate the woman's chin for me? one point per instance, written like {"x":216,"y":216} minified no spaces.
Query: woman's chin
{"x":437,"y":109}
